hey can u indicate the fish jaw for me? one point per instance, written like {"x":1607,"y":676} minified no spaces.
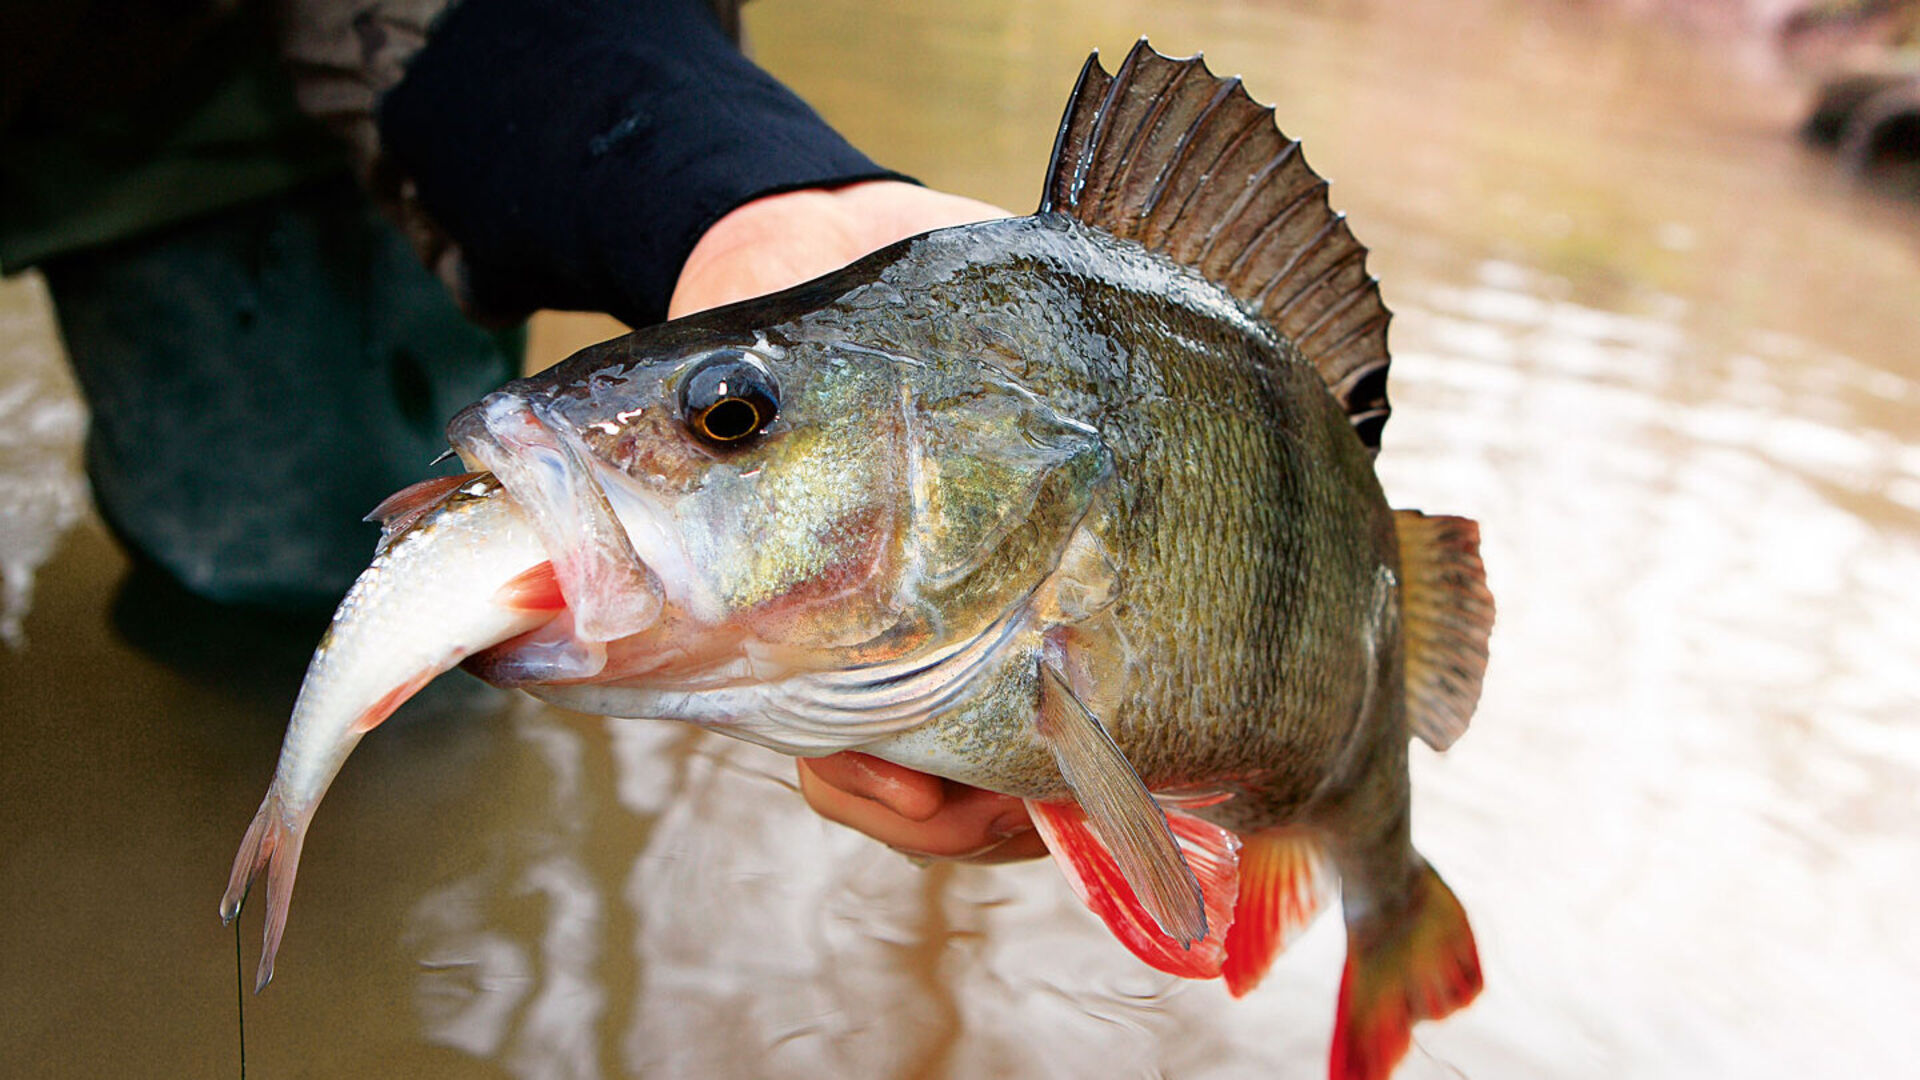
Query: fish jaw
{"x":470,"y":573}
{"x":541,"y":461}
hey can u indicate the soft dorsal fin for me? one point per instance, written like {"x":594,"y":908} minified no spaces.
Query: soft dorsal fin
{"x":1168,"y":154}
{"x":1446,"y":618}
{"x":398,"y":511}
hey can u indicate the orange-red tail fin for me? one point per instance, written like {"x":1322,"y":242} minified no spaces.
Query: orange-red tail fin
{"x":1417,"y":965}
{"x":1284,"y":880}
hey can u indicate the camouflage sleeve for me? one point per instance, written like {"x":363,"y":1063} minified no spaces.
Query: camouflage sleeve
{"x":543,"y":154}
{"x":344,"y":55}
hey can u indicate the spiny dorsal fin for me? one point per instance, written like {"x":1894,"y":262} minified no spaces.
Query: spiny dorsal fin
{"x":1168,"y":154}
{"x":1447,"y":615}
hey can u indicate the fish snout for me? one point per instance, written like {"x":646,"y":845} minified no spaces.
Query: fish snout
{"x":547,"y":469}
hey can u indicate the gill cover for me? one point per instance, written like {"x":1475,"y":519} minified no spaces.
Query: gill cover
{"x":1000,"y":483}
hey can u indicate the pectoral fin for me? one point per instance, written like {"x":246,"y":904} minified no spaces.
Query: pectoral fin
{"x":1130,"y":825}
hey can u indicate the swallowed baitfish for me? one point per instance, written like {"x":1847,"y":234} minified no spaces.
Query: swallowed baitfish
{"x":1079,"y":507}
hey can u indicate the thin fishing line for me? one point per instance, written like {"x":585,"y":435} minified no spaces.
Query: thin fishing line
{"x":240,"y":997}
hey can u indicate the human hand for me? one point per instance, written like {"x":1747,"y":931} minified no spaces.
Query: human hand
{"x":785,"y":239}
{"x":770,"y":244}
{"x":916,"y":814}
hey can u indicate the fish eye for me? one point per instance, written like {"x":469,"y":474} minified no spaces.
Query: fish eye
{"x":728,"y":399}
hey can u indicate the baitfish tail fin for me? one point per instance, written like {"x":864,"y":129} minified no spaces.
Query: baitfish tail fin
{"x":1418,"y":963}
{"x":1447,"y":613}
{"x":1284,"y":882}
{"x":1096,"y":879}
{"x":1165,"y":153}
{"x":272,"y":845}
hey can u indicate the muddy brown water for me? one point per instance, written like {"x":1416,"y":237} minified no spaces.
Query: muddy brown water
{"x":1668,"y":359}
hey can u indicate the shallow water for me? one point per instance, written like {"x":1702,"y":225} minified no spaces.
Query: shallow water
{"x":1665,"y":357}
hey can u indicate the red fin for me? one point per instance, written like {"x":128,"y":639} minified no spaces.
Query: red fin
{"x":1284,"y":880}
{"x":535,"y":589}
{"x":396,"y":697}
{"x":1133,"y":829}
{"x":401,"y":509}
{"x":1211,"y":851}
{"x":1420,"y":965}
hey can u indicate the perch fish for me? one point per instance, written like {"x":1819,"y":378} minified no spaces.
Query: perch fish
{"x":1079,"y":507}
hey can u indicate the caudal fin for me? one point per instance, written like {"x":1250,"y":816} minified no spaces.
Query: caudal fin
{"x":1420,"y":964}
{"x":272,"y":844}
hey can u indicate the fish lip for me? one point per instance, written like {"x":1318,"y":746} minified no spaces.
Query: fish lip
{"x":473,"y":431}
{"x":470,"y":432}
{"x":541,"y":461}
{"x":468,"y":427}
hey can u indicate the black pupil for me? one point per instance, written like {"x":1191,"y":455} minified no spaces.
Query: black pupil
{"x":733,"y":418}
{"x":728,"y":399}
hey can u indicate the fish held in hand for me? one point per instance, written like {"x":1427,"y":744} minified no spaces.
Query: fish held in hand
{"x":459,"y":570}
{"x":1078,"y":507}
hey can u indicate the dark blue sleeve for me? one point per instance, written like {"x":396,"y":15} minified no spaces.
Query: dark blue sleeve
{"x":577,"y":149}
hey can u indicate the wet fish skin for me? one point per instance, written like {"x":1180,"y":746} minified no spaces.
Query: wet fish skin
{"x":1215,"y":466}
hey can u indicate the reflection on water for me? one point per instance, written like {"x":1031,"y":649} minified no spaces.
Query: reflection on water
{"x":1713,"y":701}
{"x":1667,"y":363}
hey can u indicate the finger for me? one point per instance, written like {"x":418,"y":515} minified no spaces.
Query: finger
{"x":907,"y":792}
{"x":969,"y":822}
{"x":789,"y":237}
{"x":1010,"y":835}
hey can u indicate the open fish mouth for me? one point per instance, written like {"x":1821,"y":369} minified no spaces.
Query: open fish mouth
{"x":611,"y":592}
